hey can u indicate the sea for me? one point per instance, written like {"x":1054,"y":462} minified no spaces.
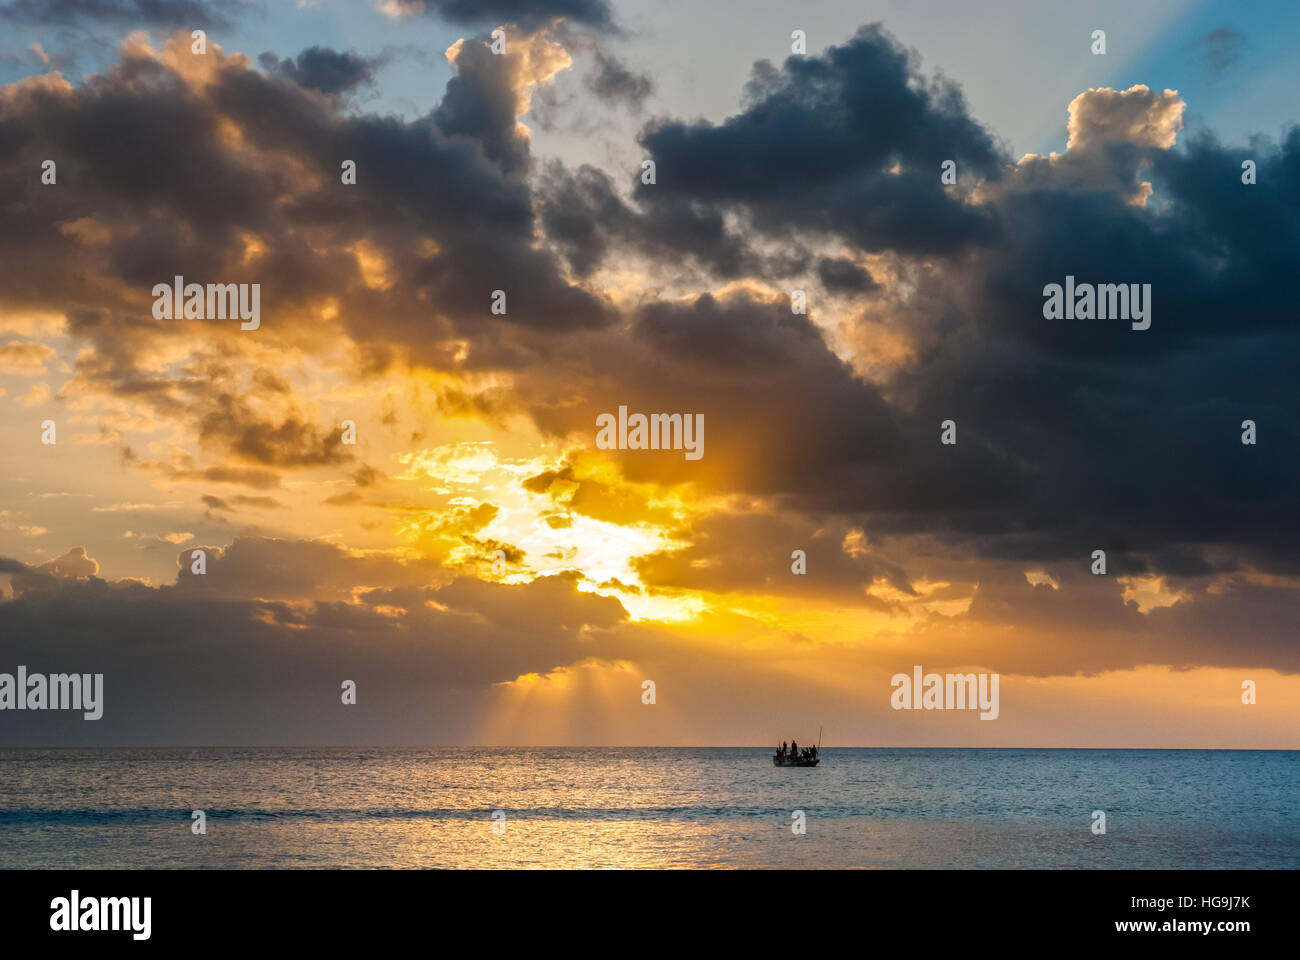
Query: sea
{"x":659,"y":808}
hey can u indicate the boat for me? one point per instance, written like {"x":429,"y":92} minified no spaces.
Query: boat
{"x":807,"y":757}
{"x":780,"y":761}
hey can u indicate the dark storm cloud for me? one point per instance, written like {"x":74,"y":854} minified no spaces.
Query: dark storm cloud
{"x":480,"y":104}
{"x":162,"y":13}
{"x":529,"y":14}
{"x":1072,"y":435}
{"x":740,"y":362}
{"x":476,"y":207}
{"x":587,"y":220}
{"x":291,"y":569}
{"x":847,"y":144}
{"x":323,"y":69}
{"x":844,"y":276}
{"x":1035,"y":629}
{"x":1110,"y":437}
{"x":256,"y":650}
{"x":142,"y":139}
{"x":784,"y":417}
{"x":152,"y":185}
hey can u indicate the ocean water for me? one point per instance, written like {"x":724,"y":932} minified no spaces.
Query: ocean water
{"x":647,"y":807}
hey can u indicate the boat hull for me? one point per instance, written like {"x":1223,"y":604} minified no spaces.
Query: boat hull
{"x":781,"y":762}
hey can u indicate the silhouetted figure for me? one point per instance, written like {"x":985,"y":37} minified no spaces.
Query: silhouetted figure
{"x":794,"y":749}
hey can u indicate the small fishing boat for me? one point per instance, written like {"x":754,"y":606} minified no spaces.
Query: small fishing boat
{"x":783,"y":761}
{"x":807,"y":757}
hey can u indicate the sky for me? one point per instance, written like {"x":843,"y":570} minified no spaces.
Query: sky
{"x":393,"y":485}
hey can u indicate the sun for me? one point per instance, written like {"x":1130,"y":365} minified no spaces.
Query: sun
{"x":496,"y":518}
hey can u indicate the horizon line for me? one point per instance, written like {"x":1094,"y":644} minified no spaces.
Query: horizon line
{"x":557,"y":746}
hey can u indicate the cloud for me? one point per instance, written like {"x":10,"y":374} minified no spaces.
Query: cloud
{"x":239,"y":208}
{"x":613,"y":82}
{"x":120,"y":507}
{"x":240,"y":500}
{"x":182,"y":467}
{"x":1222,"y":47}
{"x":1137,"y":116}
{"x":135,"y":13}
{"x":953,"y":288}
{"x":821,"y":428}
{"x":260,"y":200}
{"x":1036,"y":393}
{"x":323,"y":69}
{"x":73,"y":564}
{"x":842,"y":145}
{"x":255,"y":651}
{"x":36,"y":396}
{"x":1114,"y":135}
{"x":35,"y":56}
{"x":310,"y":615}
{"x":965,"y":310}
{"x":842,"y":275}
{"x":231,"y":424}
{"x":750,"y":553}
{"x":25,"y":358}
{"x":846,"y":144}
{"x":530,"y":14}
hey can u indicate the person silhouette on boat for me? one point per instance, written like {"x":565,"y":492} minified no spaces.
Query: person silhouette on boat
{"x":794,"y":749}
